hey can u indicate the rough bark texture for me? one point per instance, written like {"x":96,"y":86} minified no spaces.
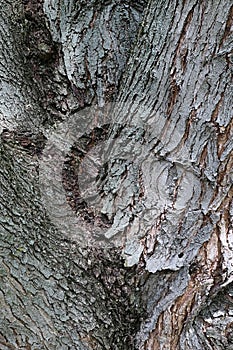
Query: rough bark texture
{"x":153,"y":267}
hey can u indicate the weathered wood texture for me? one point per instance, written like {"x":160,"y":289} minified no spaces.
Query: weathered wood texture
{"x":164,"y":280}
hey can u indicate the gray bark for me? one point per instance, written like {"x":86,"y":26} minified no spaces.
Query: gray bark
{"x":140,"y":95}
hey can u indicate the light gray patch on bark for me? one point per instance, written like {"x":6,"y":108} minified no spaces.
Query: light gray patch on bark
{"x":179,"y":102}
{"x":96,"y":40}
{"x":18,"y":98}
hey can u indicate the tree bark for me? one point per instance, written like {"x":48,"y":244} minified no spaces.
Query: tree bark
{"x":135,"y":99}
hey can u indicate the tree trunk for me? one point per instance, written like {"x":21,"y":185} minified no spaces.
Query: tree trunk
{"x":116,"y":175}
